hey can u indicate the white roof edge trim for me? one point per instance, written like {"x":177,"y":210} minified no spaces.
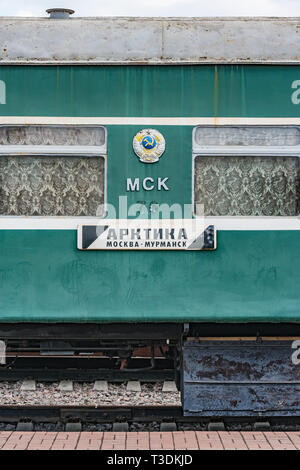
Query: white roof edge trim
{"x":158,"y":18}
{"x":148,"y":120}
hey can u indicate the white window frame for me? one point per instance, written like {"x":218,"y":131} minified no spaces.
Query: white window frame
{"x":86,"y":151}
{"x":246,"y":151}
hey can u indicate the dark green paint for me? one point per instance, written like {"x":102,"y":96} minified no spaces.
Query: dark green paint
{"x":161,"y":91}
{"x":175,"y":163}
{"x":252,"y":276}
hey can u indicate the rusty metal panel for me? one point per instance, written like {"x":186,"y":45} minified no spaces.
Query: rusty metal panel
{"x":240,"y":378}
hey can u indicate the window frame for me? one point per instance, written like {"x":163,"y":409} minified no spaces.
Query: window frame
{"x":85,"y":151}
{"x":241,"y":150}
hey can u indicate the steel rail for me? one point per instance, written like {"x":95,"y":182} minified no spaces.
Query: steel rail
{"x":86,"y":415}
{"x":89,"y":414}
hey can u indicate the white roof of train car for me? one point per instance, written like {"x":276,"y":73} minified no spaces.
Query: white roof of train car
{"x":118,"y":40}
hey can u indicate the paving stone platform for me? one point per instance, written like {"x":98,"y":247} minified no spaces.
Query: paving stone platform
{"x":181,"y":440}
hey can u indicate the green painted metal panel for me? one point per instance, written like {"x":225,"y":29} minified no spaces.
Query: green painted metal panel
{"x":252,"y":276}
{"x":175,"y":163}
{"x":170,"y":91}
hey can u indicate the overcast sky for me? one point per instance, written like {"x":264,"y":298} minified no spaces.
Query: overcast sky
{"x":154,"y":7}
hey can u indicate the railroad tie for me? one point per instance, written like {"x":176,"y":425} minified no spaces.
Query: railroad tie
{"x":169,"y":386}
{"x":66,"y":386}
{"x":100,"y":386}
{"x":133,"y":386}
{"x":28,"y":386}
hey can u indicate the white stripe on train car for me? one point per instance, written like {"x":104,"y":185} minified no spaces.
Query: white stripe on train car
{"x":221,"y":223}
{"x":163,"y":121}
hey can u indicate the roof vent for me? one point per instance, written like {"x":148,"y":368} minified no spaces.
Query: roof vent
{"x":60,"y":13}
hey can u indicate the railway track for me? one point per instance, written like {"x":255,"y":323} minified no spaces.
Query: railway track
{"x":49,"y":409}
{"x":105,"y":415}
{"x":126,"y":418}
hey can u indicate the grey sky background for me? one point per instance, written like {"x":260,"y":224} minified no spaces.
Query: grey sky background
{"x":154,"y":7}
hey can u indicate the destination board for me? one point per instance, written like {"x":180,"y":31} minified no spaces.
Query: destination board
{"x":138,"y":234}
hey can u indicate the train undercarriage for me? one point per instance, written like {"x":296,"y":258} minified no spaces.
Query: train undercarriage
{"x":222,"y":370}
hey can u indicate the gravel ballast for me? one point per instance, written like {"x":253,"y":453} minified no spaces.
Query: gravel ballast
{"x":48,"y":394}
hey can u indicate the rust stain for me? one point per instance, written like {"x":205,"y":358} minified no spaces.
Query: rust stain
{"x":216,"y":96}
{"x":212,"y":367}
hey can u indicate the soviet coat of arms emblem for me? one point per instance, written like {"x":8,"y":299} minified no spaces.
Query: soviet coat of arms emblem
{"x":149,"y":145}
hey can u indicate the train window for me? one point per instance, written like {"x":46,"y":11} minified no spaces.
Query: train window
{"x":246,"y":135}
{"x":52,"y":171}
{"x":52,"y":135}
{"x":242,"y":174}
{"x":249,"y":186}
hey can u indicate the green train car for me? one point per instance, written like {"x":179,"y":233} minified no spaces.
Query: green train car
{"x":113,"y":119}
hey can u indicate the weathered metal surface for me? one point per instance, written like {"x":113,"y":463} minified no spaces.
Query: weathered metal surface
{"x":253,"y":276}
{"x":242,"y":378}
{"x":161,"y":95}
{"x":149,"y":40}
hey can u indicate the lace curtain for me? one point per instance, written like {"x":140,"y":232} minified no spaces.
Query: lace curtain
{"x":52,"y":135}
{"x":247,"y":135}
{"x":51,"y":186}
{"x":247,"y":186}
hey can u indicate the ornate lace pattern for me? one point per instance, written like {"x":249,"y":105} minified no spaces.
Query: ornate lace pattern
{"x":247,"y":186}
{"x":51,"y":186}
{"x":52,"y":135}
